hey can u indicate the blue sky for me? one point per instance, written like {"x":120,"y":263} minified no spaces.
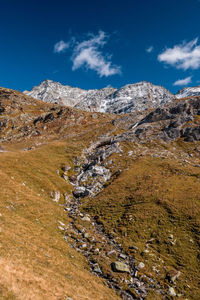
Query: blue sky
{"x":93,"y":44}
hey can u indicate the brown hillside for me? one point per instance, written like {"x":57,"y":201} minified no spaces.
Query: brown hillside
{"x":134,"y":199}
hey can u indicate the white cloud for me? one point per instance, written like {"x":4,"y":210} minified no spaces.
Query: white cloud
{"x":183,"y":56}
{"x":88,"y":54}
{"x":184,"y":81}
{"x":61,"y":47}
{"x":150,"y":49}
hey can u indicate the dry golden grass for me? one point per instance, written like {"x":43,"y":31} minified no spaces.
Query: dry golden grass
{"x":153,"y":198}
{"x":36,"y":262}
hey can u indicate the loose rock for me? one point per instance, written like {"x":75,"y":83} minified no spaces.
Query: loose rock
{"x":172,"y":292}
{"x":120,"y":267}
{"x":173,"y":275}
{"x":86,"y":219}
{"x":55,"y":195}
{"x":140,"y":266}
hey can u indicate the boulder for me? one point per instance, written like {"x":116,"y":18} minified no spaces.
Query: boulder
{"x":120,"y":267}
{"x":80,"y":192}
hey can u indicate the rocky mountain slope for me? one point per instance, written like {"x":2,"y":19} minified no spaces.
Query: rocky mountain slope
{"x":55,"y":92}
{"x":130,"y":98}
{"x":188,"y":92}
{"x":99,"y":206}
{"x":137,"y":97}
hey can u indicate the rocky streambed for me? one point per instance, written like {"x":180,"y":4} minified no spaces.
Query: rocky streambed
{"x":105,"y":255}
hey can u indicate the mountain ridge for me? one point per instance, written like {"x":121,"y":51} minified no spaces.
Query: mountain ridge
{"x":129,"y":98}
{"x":188,"y":92}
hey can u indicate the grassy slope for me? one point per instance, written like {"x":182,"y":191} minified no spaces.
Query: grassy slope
{"x":153,"y":198}
{"x":36,"y":262}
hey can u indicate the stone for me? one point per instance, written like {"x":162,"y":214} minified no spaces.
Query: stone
{"x":77,"y":169}
{"x":65,"y":177}
{"x":55,"y":195}
{"x":172,"y":292}
{"x":96,"y":251}
{"x":172,"y":275}
{"x":61,"y":228}
{"x":81,"y":229}
{"x":140,"y":266}
{"x":123,"y":256}
{"x":97,"y":268}
{"x":65,"y":168}
{"x":173,"y":242}
{"x":86,"y":235}
{"x":80,"y":192}
{"x":145,"y":252}
{"x":61,"y":223}
{"x":133,"y":248}
{"x":86,"y":219}
{"x":84,"y":246}
{"x":120,"y":267}
{"x":111,"y":252}
{"x":171,"y":236}
{"x":66,"y":197}
{"x":94,"y":116}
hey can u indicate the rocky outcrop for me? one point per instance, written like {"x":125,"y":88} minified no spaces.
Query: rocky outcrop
{"x":93,"y":100}
{"x":188,"y":92}
{"x":177,"y":120}
{"x":91,"y":174}
{"x":137,"y":97}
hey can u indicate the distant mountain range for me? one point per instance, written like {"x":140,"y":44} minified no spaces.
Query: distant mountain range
{"x":127,"y":99}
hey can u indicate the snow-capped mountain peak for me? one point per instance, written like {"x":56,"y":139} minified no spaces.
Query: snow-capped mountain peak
{"x":129,"y":98}
{"x":55,"y":92}
{"x":188,"y":92}
{"x":138,"y":96}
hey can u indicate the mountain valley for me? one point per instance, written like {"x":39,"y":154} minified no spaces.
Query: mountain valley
{"x":99,"y":193}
